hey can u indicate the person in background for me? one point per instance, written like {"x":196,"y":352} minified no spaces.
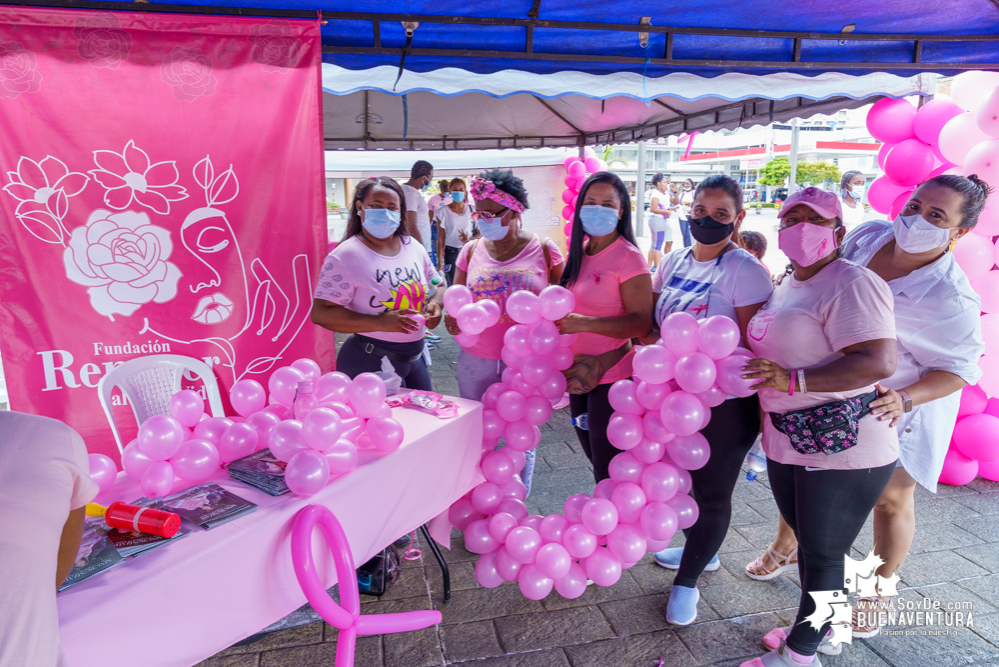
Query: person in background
{"x":939,"y":345}
{"x":659,"y":210}
{"x":755,"y":244}
{"x":823,"y":340}
{"x":418,"y":217}
{"x":851,"y":189}
{"x":613,"y":289}
{"x":455,"y":223}
{"x":505,"y":259}
{"x":686,"y":202}
{"x":714,"y":277}
{"x":442,"y":198}
{"x":374,"y":283}
{"x":44,"y":486}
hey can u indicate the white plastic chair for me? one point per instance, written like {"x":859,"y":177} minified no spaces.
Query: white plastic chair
{"x":149,"y":382}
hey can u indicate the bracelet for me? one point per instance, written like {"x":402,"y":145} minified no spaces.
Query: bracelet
{"x":801,"y":380}
{"x":790,"y":389}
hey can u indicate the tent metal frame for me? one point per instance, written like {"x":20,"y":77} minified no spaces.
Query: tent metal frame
{"x":797,"y":62}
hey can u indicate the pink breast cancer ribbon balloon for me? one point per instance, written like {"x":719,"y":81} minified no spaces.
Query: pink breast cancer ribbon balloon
{"x":347,"y":618}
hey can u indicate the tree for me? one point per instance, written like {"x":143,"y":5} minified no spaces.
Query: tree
{"x":775,"y":172}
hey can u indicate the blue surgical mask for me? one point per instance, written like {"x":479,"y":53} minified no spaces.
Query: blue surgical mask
{"x":492,"y":228}
{"x":425,"y":186}
{"x":598,"y":220}
{"x":458,"y":196}
{"x":380,"y":222}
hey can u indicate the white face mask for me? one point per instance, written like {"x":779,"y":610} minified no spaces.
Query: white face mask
{"x":914,"y":234}
{"x":857,"y":191}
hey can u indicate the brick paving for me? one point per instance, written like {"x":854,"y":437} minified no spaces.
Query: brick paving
{"x":954,"y":559}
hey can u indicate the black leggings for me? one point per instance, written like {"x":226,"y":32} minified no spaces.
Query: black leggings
{"x":731,"y":432}
{"x":353,"y":360}
{"x":598,"y":449}
{"x":450,"y":262}
{"x":826,"y":510}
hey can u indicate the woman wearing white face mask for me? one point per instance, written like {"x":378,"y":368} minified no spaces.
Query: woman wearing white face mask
{"x":851,"y":189}
{"x":380,"y":285}
{"x":939,"y":345}
{"x":823,"y":340}
{"x":505,"y":259}
{"x":610,"y":280}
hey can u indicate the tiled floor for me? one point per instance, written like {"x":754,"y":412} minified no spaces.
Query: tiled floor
{"x":955,"y":559}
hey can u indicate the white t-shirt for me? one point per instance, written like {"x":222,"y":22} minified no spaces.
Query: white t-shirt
{"x":44,"y":473}
{"x":716,"y":287}
{"x":416,"y":202}
{"x":367,"y":282}
{"x":451,"y":223}
{"x":686,"y":203}
{"x":657,"y":221}
{"x":852,"y":217}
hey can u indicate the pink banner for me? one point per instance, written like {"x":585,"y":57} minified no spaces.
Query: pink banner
{"x":163,"y":192}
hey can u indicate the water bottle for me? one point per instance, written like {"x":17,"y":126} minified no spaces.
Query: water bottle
{"x":305,"y":402}
{"x":581,"y":422}
{"x":756,"y":459}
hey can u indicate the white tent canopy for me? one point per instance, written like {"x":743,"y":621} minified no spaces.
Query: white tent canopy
{"x":396,"y":164}
{"x":367,"y":110}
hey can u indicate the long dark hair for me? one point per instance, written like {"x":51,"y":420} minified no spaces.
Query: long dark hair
{"x":361,"y":191}
{"x":575,"y":260}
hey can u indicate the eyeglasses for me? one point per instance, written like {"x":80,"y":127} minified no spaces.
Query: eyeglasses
{"x":487,"y":216}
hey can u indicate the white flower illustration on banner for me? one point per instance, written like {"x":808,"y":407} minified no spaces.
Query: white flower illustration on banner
{"x":274,"y":47}
{"x":129,"y":176}
{"x":189,"y":73}
{"x":17,"y":70}
{"x":43,"y":189}
{"x":122,"y":259}
{"x":102,"y":41}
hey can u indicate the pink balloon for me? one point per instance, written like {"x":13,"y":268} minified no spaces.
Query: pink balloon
{"x":679,"y":333}
{"x":712,"y":398}
{"x":514,"y":489}
{"x":651,"y":396}
{"x":160,"y":437}
{"x":102,"y":471}
{"x":572,"y":585}
{"x":623,"y":399}
{"x":485,"y":571}
{"x":686,"y":483}
{"x":263,"y":421}
{"x":486,"y":497}
{"x":573,"y":508}
{"x":307,"y":367}
{"x":523,"y":543}
{"x":212,"y":429}
{"x":891,"y":120}
{"x":959,"y":135}
{"x":556,"y":302}
{"x":899,"y":204}
{"x":958,"y":469}
{"x":497,"y":467}
{"x":562,"y":358}
{"x":332,"y":387}
{"x":987,"y":114}
{"x":604,"y":489}
{"x":990,"y":374}
{"x":629,"y":499}
{"x":524,"y":307}
{"x":578,"y":541}
{"x":730,"y":378}
{"x":511,"y":406}
{"x":603,"y":568}
{"x":599,"y":516}
{"x":134,"y":462}
{"x":592,"y":165}
{"x":461,"y":513}
{"x":660,"y":482}
{"x":518,"y":384}
{"x":473,"y":319}
{"x":988,"y":220}
{"x":909,"y":162}
{"x":247,"y":397}
{"x":283,"y":384}
{"x":566,"y":340}
{"x":686,"y":510}
{"x":538,"y":410}
{"x":682,"y":413}
{"x":307,"y":473}
{"x":624,"y":467}
{"x":659,"y":521}
{"x":477,"y":538}
{"x":321,"y":428}
{"x":882,"y":193}
{"x":931,"y":118}
{"x":367,"y":395}
{"x":626,"y":543}
{"x":196,"y":460}
{"x":553,"y":528}
{"x":386,"y":434}
{"x":690,"y":452}
{"x":187,"y":407}
{"x":554,"y":388}
{"x":975,"y":254}
{"x":576,"y":169}
{"x":492,"y":424}
{"x":648,"y":451}
{"x":717,"y":337}
{"x":281,"y":411}
{"x":466,"y":340}
{"x":543,"y":338}
{"x":158,"y":480}
{"x":521,"y":436}
{"x":456,"y":297}
{"x":974,"y":400}
{"x":506,"y":566}
{"x":652,"y":426}
{"x":553,"y":561}
{"x":569,"y":160}
{"x":977,"y":437}
{"x":989,"y":471}
{"x":517,"y":338}
{"x":493,"y":310}
{"x":695,"y":372}
{"x":987,"y":287}
{"x":492,"y":394}
{"x":239,"y":440}
{"x":514,"y":506}
{"x":285,"y":440}
{"x":882,"y":154}
{"x":982,"y":161}
{"x":533,"y":584}
{"x":568,"y":197}
{"x":624,"y":430}
{"x":500,"y":525}
{"x":341,"y":457}
{"x":536,"y":369}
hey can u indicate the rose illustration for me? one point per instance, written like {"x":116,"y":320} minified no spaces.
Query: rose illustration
{"x":17,"y":70}
{"x":189,"y":73}
{"x":121,"y":258}
{"x":274,"y":47}
{"x":102,"y":41}
{"x":128,"y":176}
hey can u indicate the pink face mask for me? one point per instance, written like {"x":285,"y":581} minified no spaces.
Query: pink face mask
{"x":806,"y":243}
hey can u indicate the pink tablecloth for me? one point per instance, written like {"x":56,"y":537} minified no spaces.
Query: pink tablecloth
{"x":192,"y":599}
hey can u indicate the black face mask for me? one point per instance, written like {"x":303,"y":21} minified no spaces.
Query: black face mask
{"x":708,"y":231}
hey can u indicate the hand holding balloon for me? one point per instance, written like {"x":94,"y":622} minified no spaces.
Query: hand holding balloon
{"x":573,"y":323}
{"x":433,"y":312}
{"x":773,"y":376}
{"x":398,"y":321}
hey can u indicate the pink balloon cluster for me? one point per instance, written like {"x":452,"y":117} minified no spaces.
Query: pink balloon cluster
{"x":344,"y":416}
{"x":974,"y":447}
{"x":656,"y":421}
{"x":576,"y":172}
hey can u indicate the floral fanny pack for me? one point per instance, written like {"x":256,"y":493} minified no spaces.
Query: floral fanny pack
{"x":824,"y":429}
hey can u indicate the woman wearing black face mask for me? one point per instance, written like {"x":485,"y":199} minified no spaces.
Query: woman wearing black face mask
{"x":714,"y":277}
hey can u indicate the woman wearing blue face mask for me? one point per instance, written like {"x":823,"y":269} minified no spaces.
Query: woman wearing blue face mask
{"x":851,"y":189}
{"x":612,"y":285}
{"x":454,"y":219}
{"x":380,"y":285}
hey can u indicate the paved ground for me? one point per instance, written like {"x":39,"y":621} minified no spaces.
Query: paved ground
{"x":955,"y":559}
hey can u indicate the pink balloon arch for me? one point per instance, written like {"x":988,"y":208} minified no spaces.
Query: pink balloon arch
{"x":576,"y":170}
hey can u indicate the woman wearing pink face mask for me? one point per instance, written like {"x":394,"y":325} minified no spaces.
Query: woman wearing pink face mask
{"x":823,"y":340}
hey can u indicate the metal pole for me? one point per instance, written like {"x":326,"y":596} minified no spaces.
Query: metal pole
{"x":640,"y":192}
{"x":770,"y":156}
{"x":793,"y":178}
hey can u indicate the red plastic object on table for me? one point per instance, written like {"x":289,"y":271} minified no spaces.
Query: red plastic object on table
{"x":142,"y":519}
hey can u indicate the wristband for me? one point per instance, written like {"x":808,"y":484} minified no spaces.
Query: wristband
{"x":790,"y":389}
{"x":801,"y":381}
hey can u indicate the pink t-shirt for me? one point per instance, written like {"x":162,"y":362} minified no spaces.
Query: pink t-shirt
{"x":807,"y":324}
{"x":367,"y":282}
{"x":598,"y":294}
{"x":489,"y":279}
{"x":44,"y":473}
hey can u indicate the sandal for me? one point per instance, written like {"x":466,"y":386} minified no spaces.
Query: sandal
{"x":870,"y":626}
{"x":759,"y":570}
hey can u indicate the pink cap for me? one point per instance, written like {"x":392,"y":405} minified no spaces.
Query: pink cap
{"x":823,"y":202}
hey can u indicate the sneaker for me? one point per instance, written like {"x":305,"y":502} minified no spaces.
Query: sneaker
{"x":670,"y":559}
{"x":432,"y":337}
{"x":771,"y":565}
{"x":775,"y":637}
{"x":779,"y":657}
{"x":682,"y":606}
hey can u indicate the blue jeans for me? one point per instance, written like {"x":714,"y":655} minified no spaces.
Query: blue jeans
{"x":685,"y":231}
